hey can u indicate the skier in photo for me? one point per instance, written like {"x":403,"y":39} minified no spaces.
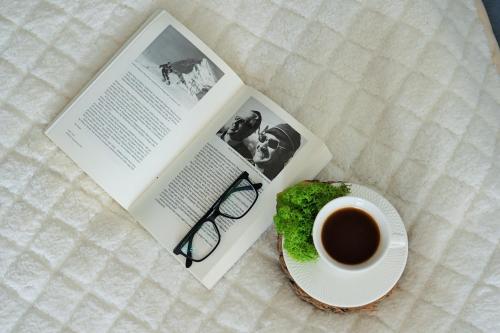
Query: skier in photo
{"x":196,"y":76}
{"x":179,"y":68}
{"x":165,"y":70}
{"x":182,"y":67}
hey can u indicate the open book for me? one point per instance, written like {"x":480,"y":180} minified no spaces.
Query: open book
{"x":166,"y":126}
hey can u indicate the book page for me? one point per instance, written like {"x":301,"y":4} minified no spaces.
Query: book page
{"x":144,"y":107}
{"x":250,"y":134}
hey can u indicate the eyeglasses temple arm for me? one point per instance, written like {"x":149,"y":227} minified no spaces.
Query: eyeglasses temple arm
{"x":189,"y":255}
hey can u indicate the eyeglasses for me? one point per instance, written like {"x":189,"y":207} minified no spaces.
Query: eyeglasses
{"x":271,"y":143}
{"x":204,"y":237}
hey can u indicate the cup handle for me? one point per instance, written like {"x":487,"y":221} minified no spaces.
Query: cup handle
{"x":397,"y":241}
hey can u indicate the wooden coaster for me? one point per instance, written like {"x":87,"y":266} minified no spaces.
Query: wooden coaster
{"x":320,"y":305}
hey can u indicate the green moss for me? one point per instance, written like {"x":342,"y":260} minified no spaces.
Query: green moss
{"x":296,"y":210}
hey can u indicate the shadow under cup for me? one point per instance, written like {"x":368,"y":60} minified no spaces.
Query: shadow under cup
{"x":367,"y":207}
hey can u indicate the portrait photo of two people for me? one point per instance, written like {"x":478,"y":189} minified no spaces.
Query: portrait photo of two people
{"x":263,"y":139}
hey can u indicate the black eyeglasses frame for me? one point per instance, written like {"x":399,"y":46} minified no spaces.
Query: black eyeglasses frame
{"x":210,"y":216}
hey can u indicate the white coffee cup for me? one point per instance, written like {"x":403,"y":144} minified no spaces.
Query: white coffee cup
{"x":366,"y":206}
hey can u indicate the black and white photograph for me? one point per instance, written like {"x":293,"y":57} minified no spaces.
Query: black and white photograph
{"x":261,"y":137}
{"x":178,"y":67}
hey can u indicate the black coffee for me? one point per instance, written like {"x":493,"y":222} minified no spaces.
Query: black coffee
{"x":350,"y":236}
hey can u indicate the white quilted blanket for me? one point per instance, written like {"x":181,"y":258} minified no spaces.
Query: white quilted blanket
{"x":404,"y":93}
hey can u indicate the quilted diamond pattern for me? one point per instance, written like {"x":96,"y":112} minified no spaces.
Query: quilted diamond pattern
{"x":403,"y":92}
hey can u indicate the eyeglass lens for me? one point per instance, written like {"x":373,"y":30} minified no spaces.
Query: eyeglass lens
{"x":203,"y":241}
{"x":239,"y":200}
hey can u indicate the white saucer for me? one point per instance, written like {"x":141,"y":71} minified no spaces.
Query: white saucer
{"x":340,"y":288}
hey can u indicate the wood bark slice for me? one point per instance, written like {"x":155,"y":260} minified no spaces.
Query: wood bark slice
{"x":311,"y":300}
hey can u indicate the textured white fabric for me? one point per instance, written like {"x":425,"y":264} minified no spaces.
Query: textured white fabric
{"x":403,"y":92}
